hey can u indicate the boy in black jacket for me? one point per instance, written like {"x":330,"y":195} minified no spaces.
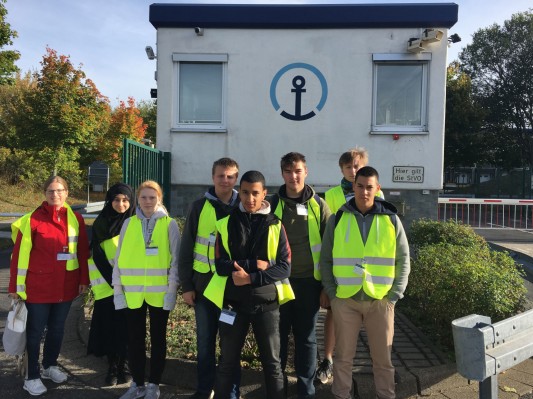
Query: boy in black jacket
{"x":252,"y":259}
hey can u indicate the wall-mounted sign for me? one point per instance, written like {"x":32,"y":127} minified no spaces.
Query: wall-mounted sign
{"x":408,"y":174}
{"x":298,"y":91}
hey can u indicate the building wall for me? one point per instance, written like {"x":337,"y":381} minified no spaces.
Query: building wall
{"x":257,"y":136}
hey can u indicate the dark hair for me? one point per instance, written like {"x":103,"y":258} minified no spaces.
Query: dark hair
{"x":367,"y":171}
{"x":349,"y":156}
{"x":291,"y":158}
{"x":253,"y":176}
{"x":225,"y":163}
{"x":56,"y":179}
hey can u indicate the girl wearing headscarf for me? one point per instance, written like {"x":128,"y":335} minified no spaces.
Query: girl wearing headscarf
{"x":108,"y":326}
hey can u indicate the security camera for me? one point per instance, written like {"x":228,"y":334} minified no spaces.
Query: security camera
{"x":150,"y":52}
{"x":432,"y":35}
{"x":199,"y":31}
{"x":414,"y":45}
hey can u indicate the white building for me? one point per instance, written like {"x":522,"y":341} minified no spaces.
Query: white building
{"x":255,"y":81}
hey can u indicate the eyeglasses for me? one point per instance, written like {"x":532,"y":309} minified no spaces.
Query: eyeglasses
{"x":52,"y":192}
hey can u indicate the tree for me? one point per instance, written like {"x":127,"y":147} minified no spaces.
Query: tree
{"x":464,"y":144}
{"x":500,"y":63}
{"x":8,"y":69}
{"x":148,"y":111}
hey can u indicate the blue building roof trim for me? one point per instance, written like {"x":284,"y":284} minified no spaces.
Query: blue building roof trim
{"x":304,"y":16}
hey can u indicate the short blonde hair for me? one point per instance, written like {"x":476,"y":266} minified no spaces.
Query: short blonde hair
{"x":154,"y":186}
{"x":56,"y":179}
{"x":349,"y":156}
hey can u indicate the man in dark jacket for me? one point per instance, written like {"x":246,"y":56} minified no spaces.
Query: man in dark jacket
{"x":196,"y":266}
{"x":252,"y":268}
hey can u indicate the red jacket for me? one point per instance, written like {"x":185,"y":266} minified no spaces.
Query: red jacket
{"x":48,"y":280}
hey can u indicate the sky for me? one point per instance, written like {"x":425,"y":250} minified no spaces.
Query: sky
{"x":106,"y":38}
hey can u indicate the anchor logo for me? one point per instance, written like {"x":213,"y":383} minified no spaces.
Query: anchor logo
{"x":299,"y":89}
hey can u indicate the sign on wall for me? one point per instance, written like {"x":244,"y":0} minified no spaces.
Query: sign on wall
{"x":298,"y":91}
{"x":408,"y":174}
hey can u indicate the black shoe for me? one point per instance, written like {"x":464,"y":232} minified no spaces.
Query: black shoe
{"x":111,"y":377}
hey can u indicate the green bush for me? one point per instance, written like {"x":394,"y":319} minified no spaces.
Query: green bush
{"x":454,"y":273}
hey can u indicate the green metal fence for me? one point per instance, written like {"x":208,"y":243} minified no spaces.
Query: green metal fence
{"x":141,"y":162}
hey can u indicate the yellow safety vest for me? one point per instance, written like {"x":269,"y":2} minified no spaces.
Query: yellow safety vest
{"x":23,"y":225}
{"x":101,"y":289}
{"x":313,"y":225}
{"x":204,"y":246}
{"x":216,"y":287}
{"x":370,"y":266}
{"x":335,"y":198}
{"x":144,"y":277}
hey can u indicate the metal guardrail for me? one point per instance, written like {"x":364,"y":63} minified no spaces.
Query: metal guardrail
{"x":488,"y":213}
{"x":483,"y":350}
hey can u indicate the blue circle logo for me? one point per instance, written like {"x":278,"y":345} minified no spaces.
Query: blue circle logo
{"x":295,"y":84}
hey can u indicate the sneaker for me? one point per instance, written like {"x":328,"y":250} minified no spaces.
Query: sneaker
{"x":134,"y":392}
{"x":53,"y":373}
{"x":324,"y":371}
{"x":34,"y":387}
{"x":152,"y":391}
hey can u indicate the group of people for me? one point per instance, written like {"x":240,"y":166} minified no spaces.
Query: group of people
{"x":241,"y":260}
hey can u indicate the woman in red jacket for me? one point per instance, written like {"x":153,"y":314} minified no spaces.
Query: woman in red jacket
{"x":48,"y":270}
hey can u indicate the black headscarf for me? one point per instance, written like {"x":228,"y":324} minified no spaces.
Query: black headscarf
{"x":108,"y":224}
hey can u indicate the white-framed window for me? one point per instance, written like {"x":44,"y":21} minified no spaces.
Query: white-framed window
{"x":200,"y":92}
{"x":400,"y":93}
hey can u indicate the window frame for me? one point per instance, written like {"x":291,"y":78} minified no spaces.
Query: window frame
{"x":402,"y":59}
{"x":177,"y":58}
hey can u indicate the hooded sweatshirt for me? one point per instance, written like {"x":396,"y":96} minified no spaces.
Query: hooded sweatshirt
{"x":402,"y":264}
{"x":148,"y":225}
{"x":248,"y":242}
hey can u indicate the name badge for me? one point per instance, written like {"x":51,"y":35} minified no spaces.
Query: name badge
{"x":301,"y":209}
{"x":358,"y":269}
{"x":64,"y":256}
{"x":152,"y":251}
{"x":227,"y":316}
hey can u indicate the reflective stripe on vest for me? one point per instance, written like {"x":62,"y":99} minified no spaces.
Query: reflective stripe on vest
{"x":144,"y":278}
{"x":204,"y":246}
{"x":313,"y":226}
{"x":101,"y":289}
{"x":370,"y":266}
{"x":216,"y":287}
{"x":335,"y":198}
{"x":23,"y":225}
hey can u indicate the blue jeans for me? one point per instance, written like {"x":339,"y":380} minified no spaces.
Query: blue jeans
{"x":207,"y":315}
{"x":265,"y":326}
{"x":51,"y":316}
{"x":301,"y":316}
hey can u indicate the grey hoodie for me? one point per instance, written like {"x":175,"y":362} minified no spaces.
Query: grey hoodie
{"x":402,"y":265}
{"x":148,"y":225}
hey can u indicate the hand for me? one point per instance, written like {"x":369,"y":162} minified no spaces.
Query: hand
{"x":189,"y":297}
{"x":240,"y":277}
{"x":169,"y":301}
{"x":13,"y":295}
{"x":120,"y":301}
{"x":83,"y":289}
{"x":262,"y":265}
{"x":324,"y":300}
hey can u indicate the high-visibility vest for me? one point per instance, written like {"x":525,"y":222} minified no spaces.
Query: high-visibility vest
{"x":216,"y":287}
{"x":23,"y":225}
{"x":144,"y":277}
{"x":204,"y":246}
{"x":101,"y":289}
{"x":335,"y":198}
{"x":313,"y":225}
{"x":368,"y":266}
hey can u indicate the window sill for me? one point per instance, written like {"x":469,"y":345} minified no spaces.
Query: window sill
{"x":399,"y":132}
{"x":198,"y":129}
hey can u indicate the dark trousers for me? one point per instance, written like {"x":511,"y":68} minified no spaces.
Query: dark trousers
{"x":207,"y":315}
{"x":137,"y":345}
{"x":300,"y":315}
{"x":51,"y":316}
{"x":265,"y":326}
